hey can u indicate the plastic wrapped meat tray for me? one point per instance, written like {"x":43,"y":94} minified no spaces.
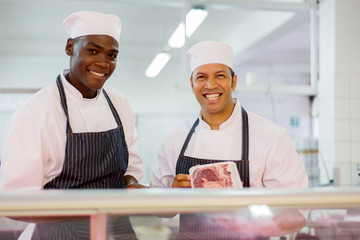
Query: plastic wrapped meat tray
{"x":216,"y":175}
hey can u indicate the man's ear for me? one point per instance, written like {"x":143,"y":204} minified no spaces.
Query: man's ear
{"x":233,"y":83}
{"x":69,"y":48}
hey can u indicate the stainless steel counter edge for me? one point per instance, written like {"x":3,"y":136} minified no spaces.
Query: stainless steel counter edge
{"x":141,"y":201}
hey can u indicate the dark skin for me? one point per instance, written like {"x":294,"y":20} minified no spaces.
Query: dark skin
{"x":131,"y":182}
{"x":92,"y":61}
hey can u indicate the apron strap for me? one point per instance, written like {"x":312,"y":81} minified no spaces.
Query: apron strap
{"x":113,"y":110}
{"x":189,"y":137}
{"x":118,"y":121}
{"x":242,"y":165}
{"x":63,"y":103}
{"x":245,"y":135}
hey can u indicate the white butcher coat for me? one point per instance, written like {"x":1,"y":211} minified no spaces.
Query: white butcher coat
{"x":35,"y":138}
{"x":274,"y":161}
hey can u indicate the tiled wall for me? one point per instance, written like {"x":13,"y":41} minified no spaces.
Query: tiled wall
{"x":339,"y":89}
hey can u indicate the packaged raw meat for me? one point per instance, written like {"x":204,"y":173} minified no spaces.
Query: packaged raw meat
{"x":216,"y":175}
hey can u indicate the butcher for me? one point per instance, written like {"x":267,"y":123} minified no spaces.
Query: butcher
{"x":76,"y":133}
{"x":263,"y":152}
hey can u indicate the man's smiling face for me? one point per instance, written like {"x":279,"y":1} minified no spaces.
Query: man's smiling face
{"x":92,"y":61}
{"x":212,"y":85}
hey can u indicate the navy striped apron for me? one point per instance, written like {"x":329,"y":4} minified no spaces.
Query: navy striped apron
{"x":184,"y":163}
{"x":93,"y":160}
{"x":202,"y":225}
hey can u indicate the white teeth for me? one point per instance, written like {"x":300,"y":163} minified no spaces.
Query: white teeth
{"x":97,"y":74}
{"x":212,"y":96}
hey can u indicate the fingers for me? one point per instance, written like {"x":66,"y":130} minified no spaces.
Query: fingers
{"x":182,"y":181}
{"x":137,"y":185}
{"x":183,"y":177}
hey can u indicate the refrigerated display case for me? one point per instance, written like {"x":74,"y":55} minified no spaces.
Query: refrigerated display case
{"x":332,"y":212}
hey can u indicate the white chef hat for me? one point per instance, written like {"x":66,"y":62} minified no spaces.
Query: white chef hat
{"x":210,"y":52}
{"x":93,"y":23}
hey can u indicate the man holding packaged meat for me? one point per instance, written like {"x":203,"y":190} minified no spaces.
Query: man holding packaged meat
{"x":263,"y":152}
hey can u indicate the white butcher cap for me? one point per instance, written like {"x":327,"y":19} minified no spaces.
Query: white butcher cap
{"x":210,"y":52}
{"x":93,"y":23}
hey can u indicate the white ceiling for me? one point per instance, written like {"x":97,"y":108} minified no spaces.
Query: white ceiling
{"x":266,"y":38}
{"x":34,"y":28}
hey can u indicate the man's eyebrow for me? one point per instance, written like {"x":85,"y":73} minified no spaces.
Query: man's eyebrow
{"x":101,"y":47}
{"x":198,"y":73}
{"x":95,"y":45}
{"x":114,"y":50}
{"x":220,"y":71}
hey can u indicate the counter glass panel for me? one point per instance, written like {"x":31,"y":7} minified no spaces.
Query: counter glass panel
{"x":331,"y":213}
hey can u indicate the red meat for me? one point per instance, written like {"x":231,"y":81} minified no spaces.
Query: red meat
{"x":212,"y":177}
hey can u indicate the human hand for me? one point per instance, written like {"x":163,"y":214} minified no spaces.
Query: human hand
{"x":131,"y":182}
{"x":182,"y":181}
{"x":136,"y":185}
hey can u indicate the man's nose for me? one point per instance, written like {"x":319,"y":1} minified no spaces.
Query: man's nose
{"x":102,"y":61}
{"x":211,"y":82}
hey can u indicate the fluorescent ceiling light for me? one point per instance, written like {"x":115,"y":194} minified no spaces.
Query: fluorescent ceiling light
{"x":193,"y":20}
{"x":177,"y":39}
{"x":157,"y":64}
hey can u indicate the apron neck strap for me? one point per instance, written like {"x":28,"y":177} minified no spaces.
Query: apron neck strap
{"x":245,"y":136}
{"x":113,"y":110}
{"x":63,"y":103}
{"x":188,"y":137}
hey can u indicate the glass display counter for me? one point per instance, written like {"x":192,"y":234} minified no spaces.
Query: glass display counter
{"x":332,"y":213}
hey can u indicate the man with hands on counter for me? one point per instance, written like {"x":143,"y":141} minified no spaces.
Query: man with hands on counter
{"x":223,"y":131}
{"x":76,"y":133}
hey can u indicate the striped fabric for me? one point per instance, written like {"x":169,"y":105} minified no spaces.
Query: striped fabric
{"x":95,"y":160}
{"x":184,"y":163}
{"x":200,"y":225}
